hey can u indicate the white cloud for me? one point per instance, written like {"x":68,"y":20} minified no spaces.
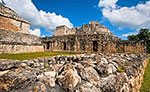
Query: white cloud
{"x":107,"y":3}
{"x":1,"y":1}
{"x":133,"y":17}
{"x":36,"y":32}
{"x":130,"y":33}
{"x":43,"y":36}
{"x":37,"y":18}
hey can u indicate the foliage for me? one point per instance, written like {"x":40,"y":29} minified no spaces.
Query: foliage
{"x":146,"y":82}
{"x":121,"y":69}
{"x":142,"y":36}
{"x":132,"y":38}
{"x":46,"y":66}
{"x":120,"y":51}
{"x":26,"y":56}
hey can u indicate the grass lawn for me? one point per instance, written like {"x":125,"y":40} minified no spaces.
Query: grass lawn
{"x":146,"y":82}
{"x":26,"y":56}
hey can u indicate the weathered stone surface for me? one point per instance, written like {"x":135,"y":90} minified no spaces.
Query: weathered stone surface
{"x":87,"y":87}
{"x":78,"y":73}
{"x":9,"y":64}
{"x":15,"y":33}
{"x":92,"y":28}
{"x":16,"y":79}
{"x":69,"y":78}
{"x":90,"y":74}
{"x":15,"y":42}
{"x":89,"y":43}
{"x":112,"y":83}
{"x":11,"y":21}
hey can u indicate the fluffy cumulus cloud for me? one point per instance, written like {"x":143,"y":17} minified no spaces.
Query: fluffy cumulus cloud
{"x":36,"y":32}
{"x":37,"y":18}
{"x":135,"y":17}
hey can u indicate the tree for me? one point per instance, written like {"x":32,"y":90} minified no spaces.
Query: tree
{"x":142,"y":36}
{"x":132,"y":38}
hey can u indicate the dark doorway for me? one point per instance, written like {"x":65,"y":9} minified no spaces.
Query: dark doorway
{"x":95,"y":46}
{"x":48,"y":45}
{"x":65,"y":46}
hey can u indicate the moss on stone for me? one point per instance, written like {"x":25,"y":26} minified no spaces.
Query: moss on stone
{"x":121,"y":69}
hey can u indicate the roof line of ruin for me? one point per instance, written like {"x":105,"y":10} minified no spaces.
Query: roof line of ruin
{"x":15,"y":19}
{"x":4,"y":14}
{"x":115,"y":38}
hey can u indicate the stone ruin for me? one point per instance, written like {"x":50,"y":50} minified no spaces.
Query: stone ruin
{"x":90,"y":38}
{"x":15,"y":33}
{"x":78,"y":73}
{"x":11,"y":21}
{"x":101,"y":72}
{"x":92,"y":28}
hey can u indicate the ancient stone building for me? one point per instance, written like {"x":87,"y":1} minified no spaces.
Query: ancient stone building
{"x":10,"y":21}
{"x":92,"y":37}
{"x":14,"y":33}
{"x":64,"y":30}
{"x":92,"y":28}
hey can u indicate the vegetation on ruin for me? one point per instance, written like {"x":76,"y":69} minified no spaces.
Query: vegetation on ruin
{"x":120,"y":51}
{"x":121,"y":68}
{"x":146,"y":82}
{"x":142,"y":36}
{"x":27,"y":56}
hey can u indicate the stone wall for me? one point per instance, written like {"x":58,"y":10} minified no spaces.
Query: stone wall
{"x":92,"y":28}
{"x":20,"y":48}
{"x":64,"y":30}
{"x":15,"y":42}
{"x":11,"y":21}
{"x":78,"y":73}
{"x":96,"y":43}
{"x":93,"y":22}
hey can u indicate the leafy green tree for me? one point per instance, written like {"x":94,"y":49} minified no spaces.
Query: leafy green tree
{"x":142,"y":36}
{"x":132,"y":38}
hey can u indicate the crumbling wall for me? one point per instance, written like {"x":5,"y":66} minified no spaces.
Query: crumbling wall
{"x":97,"y":43}
{"x":78,"y":73}
{"x":64,"y":30}
{"x":92,"y":28}
{"x":15,"y":42}
{"x":10,"y":21}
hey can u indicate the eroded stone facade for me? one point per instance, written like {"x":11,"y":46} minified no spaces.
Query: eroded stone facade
{"x":92,"y":28}
{"x":11,"y":21}
{"x":89,"y":43}
{"x":15,"y":42}
{"x":90,"y":38}
{"x":14,"y":33}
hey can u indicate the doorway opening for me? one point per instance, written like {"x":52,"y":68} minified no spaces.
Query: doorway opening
{"x":95,"y":46}
{"x":48,"y":45}
{"x":65,"y":46}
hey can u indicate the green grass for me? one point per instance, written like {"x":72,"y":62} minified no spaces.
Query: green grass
{"x":146,"y":82}
{"x":27,"y":56}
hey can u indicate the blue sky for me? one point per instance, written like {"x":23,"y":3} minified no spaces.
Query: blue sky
{"x":122,"y":17}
